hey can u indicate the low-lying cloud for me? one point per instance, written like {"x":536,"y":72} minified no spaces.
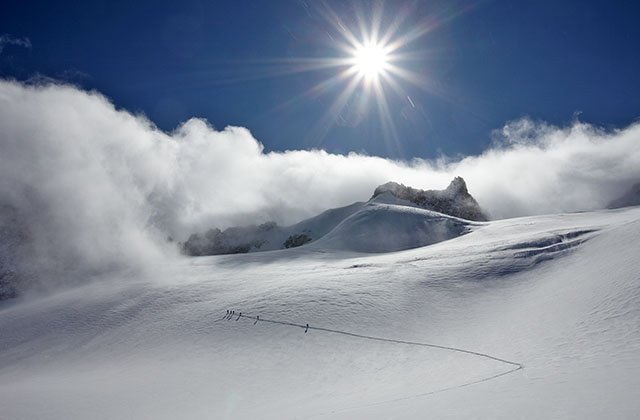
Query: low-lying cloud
{"x":99,"y":187}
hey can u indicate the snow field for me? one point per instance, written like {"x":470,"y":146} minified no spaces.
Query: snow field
{"x":558,"y":293}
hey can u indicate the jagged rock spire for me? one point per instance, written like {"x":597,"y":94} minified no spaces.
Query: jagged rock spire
{"x":455,"y":200}
{"x":457,"y":187}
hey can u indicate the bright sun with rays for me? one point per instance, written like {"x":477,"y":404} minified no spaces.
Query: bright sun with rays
{"x":370,"y":60}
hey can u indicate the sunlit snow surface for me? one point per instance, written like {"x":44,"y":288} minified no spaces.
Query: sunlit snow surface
{"x":559,"y":294}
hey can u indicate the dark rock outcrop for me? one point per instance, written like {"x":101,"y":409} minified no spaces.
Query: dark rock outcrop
{"x":294,"y":241}
{"x":235,"y":240}
{"x":455,"y":200}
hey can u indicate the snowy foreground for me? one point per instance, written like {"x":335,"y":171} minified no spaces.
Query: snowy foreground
{"x":559,"y":295}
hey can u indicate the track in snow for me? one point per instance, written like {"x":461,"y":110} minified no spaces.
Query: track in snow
{"x":515,"y":365}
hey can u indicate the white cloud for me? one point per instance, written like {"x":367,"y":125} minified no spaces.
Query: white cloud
{"x":6,"y":39}
{"x":102,"y":188}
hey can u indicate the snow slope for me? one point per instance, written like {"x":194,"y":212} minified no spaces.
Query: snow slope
{"x":266,"y":237}
{"x":559,"y":294}
{"x":386,"y":224}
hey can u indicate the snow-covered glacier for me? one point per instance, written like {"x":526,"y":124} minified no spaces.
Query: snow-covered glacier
{"x":553,"y":301}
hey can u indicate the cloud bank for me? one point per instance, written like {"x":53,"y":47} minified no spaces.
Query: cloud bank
{"x":98,"y":188}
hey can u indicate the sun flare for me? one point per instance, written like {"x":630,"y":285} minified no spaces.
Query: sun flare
{"x":370,"y":60}
{"x":374,"y":66}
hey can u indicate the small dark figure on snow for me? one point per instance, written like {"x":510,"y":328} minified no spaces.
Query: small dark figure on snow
{"x":239,"y":315}
{"x":257,"y":319}
{"x":306,"y":329}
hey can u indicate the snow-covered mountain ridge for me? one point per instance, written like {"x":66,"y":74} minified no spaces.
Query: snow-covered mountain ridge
{"x":395,"y":218}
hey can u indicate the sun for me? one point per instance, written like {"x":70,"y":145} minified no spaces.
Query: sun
{"x":369,"y":69}
{"x":370,"y":60}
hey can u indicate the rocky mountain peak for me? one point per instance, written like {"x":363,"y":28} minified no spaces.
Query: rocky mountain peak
{"x":457,"y":187}
{"x":454,"y":200}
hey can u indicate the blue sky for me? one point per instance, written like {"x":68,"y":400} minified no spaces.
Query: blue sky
{"x":478,"y":65}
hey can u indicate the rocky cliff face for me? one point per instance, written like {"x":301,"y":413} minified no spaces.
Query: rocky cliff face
{"x":455,"y":200}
